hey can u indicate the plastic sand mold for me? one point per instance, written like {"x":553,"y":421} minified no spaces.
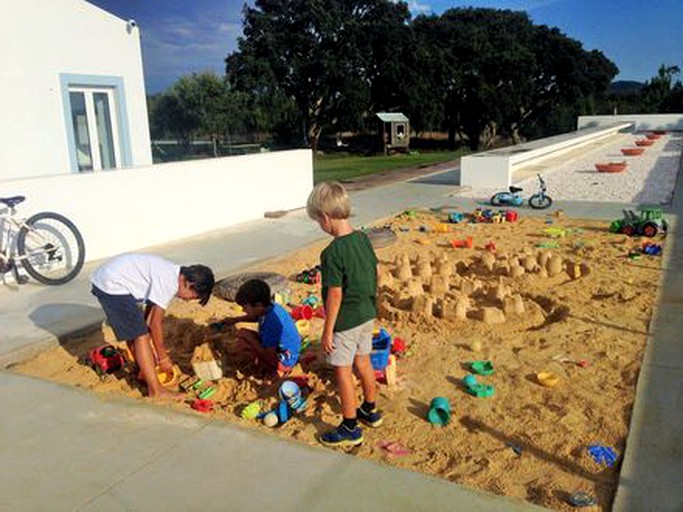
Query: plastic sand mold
{"x":603,"y":454}
{"x":251,"y":411}
{"x":481,"y":390}
{"x":394,"y":448}
{"x":547,"y":379}
{"x":202,"y":405}
{"x":555,"y":232}
{"x":475,"y":389}
{"x":482,"y":367}
{"x":582,"y":499}
{"x":469,"y":380}
{"x":207,"y":392}
{"x":548,"y":245}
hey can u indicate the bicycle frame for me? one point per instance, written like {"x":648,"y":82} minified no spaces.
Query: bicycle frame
{"x":47,"y":245}
{"x":10,"y":225}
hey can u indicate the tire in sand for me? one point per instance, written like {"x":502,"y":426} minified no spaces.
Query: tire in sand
{"x":226,"y":288}
{"x":381,"y":237}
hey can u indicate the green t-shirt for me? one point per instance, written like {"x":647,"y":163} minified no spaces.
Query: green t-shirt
{"x":350,"y":262}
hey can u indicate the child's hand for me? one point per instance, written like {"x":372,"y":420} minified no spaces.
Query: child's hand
{"x":165,"y":364}
{"x":217,"y":326}
{"x":327,"y":344}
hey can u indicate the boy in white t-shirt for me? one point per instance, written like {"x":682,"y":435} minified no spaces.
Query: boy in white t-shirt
{"x":125,"y":281}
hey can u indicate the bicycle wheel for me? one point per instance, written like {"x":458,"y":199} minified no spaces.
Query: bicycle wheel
{"x":539,"y":202}
{"x":496,"y":200}
{"x":50,"y":248}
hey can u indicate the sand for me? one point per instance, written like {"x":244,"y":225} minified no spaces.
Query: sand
{"x":587,"y":324}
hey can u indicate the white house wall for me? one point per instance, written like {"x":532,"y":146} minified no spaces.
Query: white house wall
{"x":41,"y":42}
{"x":135,"y":208}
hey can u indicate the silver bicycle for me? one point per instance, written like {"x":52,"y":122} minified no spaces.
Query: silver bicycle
{"x":47,"y":245}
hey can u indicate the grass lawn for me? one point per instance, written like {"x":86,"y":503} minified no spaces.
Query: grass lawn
{"x":337,"y":167}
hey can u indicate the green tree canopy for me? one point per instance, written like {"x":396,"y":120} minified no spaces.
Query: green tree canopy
{"x":326,"y":58}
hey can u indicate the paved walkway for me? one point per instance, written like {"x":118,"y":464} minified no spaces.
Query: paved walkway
{"x":65,"y":449}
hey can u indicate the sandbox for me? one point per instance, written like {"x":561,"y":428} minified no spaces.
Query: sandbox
{"x":537,"y":296}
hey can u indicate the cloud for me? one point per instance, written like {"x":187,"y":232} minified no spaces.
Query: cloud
{"x":439,"y":6}
{"x":418,"y":8}
{"x":175,"y":46}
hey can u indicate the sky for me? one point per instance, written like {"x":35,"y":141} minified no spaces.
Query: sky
{"x":192,"y":36}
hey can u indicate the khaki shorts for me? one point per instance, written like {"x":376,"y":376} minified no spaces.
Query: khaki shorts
{"x":351,"y":343}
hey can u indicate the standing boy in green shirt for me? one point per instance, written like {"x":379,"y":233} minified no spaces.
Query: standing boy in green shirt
{"x":349,"y":282}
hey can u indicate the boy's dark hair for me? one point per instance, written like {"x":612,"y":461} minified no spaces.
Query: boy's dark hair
{"x":254,"y":291}
{"x":201,"y":279}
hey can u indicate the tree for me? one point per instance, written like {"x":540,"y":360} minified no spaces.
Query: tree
{"x":499,"y":72}
{"x":199,"y":105}
{"x":657,"y":90}
{"x":316,"y":54}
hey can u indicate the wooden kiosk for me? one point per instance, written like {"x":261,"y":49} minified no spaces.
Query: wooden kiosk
{"x":394,"y":131}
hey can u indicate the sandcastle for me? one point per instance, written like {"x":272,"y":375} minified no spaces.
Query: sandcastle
{"x":486,"y":289}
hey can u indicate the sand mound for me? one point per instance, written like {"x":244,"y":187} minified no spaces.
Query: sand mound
{"x":579,"y":311}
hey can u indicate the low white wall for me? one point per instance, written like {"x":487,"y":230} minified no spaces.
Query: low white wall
{"x":128,"y":209}
{"x":493,"y":169}
{"x":642,"y":122}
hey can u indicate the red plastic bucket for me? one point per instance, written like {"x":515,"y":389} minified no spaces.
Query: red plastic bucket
{"x":510,"y":216}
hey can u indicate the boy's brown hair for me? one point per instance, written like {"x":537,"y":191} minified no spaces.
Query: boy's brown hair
{"x":329,"y":198}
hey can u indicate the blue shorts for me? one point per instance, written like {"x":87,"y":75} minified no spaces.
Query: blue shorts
{"x":124,"y":314}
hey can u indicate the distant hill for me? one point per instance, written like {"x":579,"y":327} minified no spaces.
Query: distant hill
{"x":625,"y":87}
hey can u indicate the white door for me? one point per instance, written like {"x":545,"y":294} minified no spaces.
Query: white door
{"x":95,"y":128}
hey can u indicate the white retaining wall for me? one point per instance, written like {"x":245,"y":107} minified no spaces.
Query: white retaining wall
{"x":642,"y":122}
{"x":129,"y":209}
{"x":493,"y":169}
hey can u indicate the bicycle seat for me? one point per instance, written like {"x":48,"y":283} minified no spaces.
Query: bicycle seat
{"x":11,"y":202}
{"x":514,"y":190}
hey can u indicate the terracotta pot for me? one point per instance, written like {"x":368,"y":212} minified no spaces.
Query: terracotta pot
{"x":632,"y":151}
{"x":611,"y":167}
{"x":644,"y":142}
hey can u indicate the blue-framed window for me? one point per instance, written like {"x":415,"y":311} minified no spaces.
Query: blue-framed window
{"x":96,"y":121}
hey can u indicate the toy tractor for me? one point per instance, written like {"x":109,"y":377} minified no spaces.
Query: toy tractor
{"x":650,"y":222}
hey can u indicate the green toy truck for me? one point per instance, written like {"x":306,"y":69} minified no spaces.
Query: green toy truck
{"x":650,"y":222}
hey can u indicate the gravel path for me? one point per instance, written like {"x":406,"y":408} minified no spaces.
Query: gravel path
{"x":648,"y":179}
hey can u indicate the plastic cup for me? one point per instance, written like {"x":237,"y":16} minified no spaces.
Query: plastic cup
{"x":304,"y":312}
{"x":439,"y":411}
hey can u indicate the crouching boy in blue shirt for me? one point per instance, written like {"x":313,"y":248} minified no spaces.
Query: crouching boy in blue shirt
{"x":277,"y":344}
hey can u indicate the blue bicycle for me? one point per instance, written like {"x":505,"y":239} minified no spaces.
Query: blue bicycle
{"x":539,"y":201}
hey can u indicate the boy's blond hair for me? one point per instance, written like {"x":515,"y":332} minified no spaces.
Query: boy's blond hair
{"x":328,"y":198}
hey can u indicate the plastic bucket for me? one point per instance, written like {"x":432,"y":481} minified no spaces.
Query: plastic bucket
{"x":439,"y":411}
{"x":304,"y":312}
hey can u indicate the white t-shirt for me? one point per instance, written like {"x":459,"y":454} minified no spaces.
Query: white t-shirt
{"x":144,"y":276}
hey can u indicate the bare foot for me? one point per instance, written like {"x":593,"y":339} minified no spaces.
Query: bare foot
{"x":165,"y":395}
